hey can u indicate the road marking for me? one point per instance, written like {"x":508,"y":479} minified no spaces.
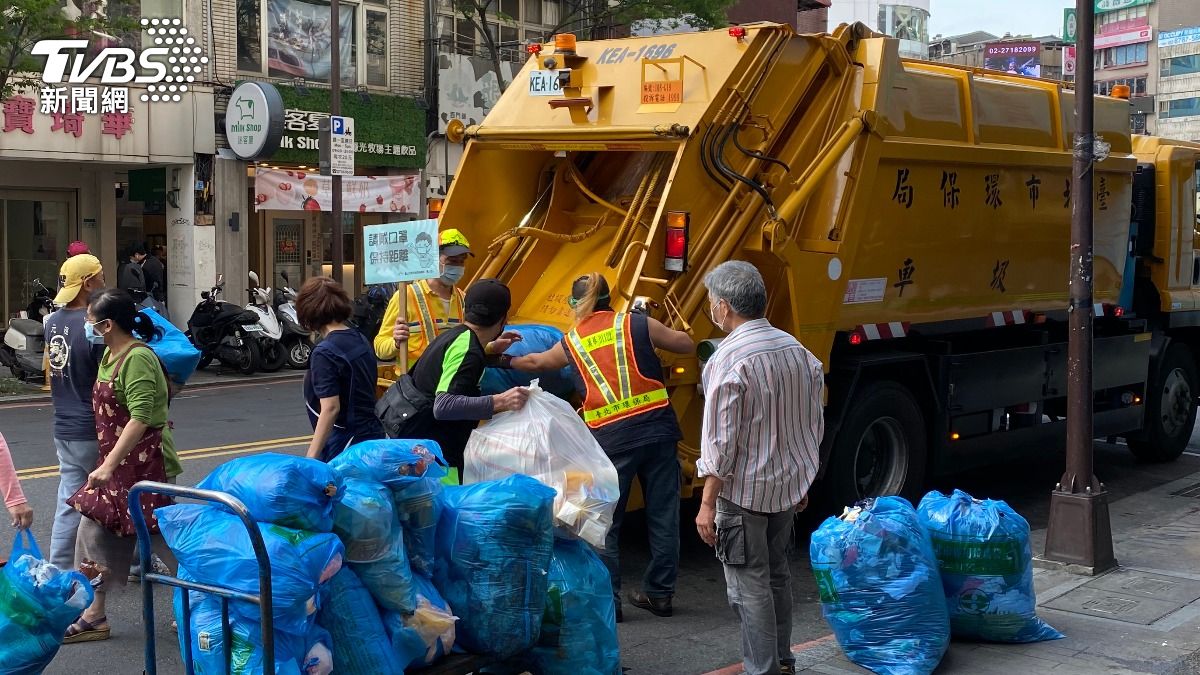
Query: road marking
{"x":1191,"y":454}
{"x":737,"y":669}
{"x":196,"y":453}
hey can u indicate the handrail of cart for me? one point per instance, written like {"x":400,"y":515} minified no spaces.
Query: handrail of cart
{"x":149,"y":578}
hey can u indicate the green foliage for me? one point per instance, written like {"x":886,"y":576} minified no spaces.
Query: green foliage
{"x":24,"y":22}
{"x":386,"y":119}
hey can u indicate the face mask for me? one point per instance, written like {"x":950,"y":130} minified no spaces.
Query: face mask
{"x":452,"y":274}
{"x":712,"y":314}
{"x":89,"y":331}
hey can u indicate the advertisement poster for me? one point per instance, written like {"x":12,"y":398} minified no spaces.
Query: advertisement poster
{"x":279,"y":190}
{"x":468,"y":88}
{"x":299,"y":39}
{"x":1069,"y":61}
{"x":397,"y":252}
{"x":1014,"y":58}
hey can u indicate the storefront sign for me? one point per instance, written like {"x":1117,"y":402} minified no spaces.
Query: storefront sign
{"x":400,"y":252}
{"x":341,"y":146}
{"x":254,"y":120}
{"x":1070,"y":25}
{"x":1179,"y":37}
{"x":1132,"y":37}
{"x":1114,"y":5}
{"x":280,"y":190}
{"x":389,"y":130}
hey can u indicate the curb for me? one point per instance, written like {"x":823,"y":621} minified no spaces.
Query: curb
{"x":274,"y":378}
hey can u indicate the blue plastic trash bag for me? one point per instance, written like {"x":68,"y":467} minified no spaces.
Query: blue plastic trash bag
{"x":214,"y":546}
{"x":38,"y":602}
{"x":494,"y":543}
{"x":879,"y":587}
{"x":406,"y":644}
{"x":177,"y":352}
{"x":535,"y":339}
{"x":393,"y":462}
{"x":418,"y":507}
{"x":390,"y":578}
{"x":361,"y":646}
{"x":986,"y":563}
{"x":295,"y":492}
{"x":365,"y":519}
{"x":579,"y":627}
{"x":432,"y":622}
{"x":310,"y":653}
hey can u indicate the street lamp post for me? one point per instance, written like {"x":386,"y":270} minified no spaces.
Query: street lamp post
{"x":1079,"y":532}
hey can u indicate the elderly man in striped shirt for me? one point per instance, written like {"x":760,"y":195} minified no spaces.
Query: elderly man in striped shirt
{"x":759,"y":452}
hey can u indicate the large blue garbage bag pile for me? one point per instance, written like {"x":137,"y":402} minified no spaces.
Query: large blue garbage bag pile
{"x":579,"y":629}
{"x":986,"y":565}
{"x":879,"y":586}
{"x":418,"y":556}
{"x":38,"y":602}
{"x":535,"y":338}
{"x":494,"y":543}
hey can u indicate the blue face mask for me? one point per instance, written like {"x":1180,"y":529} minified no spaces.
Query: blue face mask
{"x":89,"y":331}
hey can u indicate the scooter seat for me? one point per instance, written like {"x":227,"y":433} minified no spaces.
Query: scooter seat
{"x":28,"y":327}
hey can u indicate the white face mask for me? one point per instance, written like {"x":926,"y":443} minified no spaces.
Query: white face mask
{"x":712,"y":314}
{"x":452,"y":274}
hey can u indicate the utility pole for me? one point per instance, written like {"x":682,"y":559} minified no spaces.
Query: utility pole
{"x":335,"y":110}
{"x":1079,"y":532}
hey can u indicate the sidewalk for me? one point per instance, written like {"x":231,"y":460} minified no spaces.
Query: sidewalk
{"x":1141,"y":618}
{"x":213,"y":376}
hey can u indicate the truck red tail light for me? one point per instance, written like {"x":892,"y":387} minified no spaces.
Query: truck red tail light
{"x":533,"y":48}
{"x":676,"y":248}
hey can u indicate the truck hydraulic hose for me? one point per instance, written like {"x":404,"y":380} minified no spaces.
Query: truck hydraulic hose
{"x":706,"y":162}
{"x":718,"y":159}
{"x":758,"y":155}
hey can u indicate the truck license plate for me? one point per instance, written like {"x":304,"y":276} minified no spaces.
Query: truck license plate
{"x":545,"y":83}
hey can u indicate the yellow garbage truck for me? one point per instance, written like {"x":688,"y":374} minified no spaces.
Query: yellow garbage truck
{"x":911,"y":220}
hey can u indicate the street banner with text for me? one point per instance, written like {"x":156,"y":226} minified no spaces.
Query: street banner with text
{"x":276,"y":189}
{"x":400,"y":252}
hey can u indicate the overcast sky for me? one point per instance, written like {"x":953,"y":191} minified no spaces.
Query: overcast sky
{"x":1019,"y":17}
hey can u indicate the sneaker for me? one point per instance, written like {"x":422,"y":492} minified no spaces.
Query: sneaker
{"x":787,"y":669}
{"x":156,"y":564}
{"x":656,"y":606}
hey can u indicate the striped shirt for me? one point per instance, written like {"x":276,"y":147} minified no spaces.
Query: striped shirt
{"x":763,"y":418}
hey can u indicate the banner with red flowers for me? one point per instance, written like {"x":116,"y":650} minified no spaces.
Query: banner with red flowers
{"x":280,"y":190}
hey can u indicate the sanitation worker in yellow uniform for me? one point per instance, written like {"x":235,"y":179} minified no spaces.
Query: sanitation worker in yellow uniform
{"x":434,"y":305}
{"x":626,"y":408}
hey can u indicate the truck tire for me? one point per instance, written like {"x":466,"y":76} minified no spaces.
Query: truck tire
{"x":1170,"y":408}
{"x":881,"y":447}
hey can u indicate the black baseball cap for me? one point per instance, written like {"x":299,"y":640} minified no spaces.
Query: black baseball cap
{"x":487,"y":302}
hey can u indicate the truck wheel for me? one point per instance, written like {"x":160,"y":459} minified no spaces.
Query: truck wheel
{"x":881,"y":447}
{"x":1170,"y":408}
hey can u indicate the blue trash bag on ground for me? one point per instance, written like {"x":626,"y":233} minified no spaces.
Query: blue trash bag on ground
{"x":361,"y":645}
{"x":214,"y":547}
{"x":364,"y":519}
{"x":390,"y":578}
{"x":418,"y":507}
{"x":393,"y":462}
{"x":986,"y":564}
{"x":879,"y":587}
{"x":38,"y":602}
{"x":432,"y":622}
{"x":494,"y":543}
{"x":286,"y":490}
{"x":177,"y":352}
{"x":535,"y":339}
{"x":307,"y":653}
{"x":406,"y":644}
{"x":579,"y":627}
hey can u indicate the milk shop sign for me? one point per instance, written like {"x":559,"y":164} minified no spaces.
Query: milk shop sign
{"x":254,"y":120}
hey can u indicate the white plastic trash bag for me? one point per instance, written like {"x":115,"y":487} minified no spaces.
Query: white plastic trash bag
{"x":547,"y":441}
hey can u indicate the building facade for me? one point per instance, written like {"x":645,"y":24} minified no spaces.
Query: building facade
{"x":1178,"y":114}
{"x":113,"y":164}
{"x":906,"y":20}
{"x":1024,"y":55}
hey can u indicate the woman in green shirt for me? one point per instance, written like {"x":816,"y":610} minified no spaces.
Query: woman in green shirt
{"x":130,"y":404}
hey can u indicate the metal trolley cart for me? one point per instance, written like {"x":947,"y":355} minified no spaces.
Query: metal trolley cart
{"x":149,"y":578}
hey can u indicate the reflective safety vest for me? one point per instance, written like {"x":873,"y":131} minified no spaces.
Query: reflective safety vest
{"x":429,"y":326}
{"x":602,"y":348}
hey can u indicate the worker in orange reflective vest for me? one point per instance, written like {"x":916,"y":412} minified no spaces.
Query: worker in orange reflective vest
{"x":626,"y":407}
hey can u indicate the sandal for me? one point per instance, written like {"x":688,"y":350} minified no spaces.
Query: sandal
{"x":86,"y":631}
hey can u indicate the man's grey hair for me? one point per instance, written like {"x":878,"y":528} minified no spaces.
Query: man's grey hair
{"x":741,"y":285}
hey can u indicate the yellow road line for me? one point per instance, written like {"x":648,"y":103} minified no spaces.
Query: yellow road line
{"x":197,"y":453}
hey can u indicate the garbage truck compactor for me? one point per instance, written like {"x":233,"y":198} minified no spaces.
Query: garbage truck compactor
{"x":911,"y":221}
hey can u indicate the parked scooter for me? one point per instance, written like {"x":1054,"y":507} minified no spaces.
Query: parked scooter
{"x":24,"y":348}
{"x":296,"y":341}
{"x":224,"y":331}
{"x":270,"y":345}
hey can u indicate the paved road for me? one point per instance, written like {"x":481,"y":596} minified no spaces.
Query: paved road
{"x":216,"y":424}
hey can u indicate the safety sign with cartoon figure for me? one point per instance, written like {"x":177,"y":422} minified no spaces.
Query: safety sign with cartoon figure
{"x":396,"y":252}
